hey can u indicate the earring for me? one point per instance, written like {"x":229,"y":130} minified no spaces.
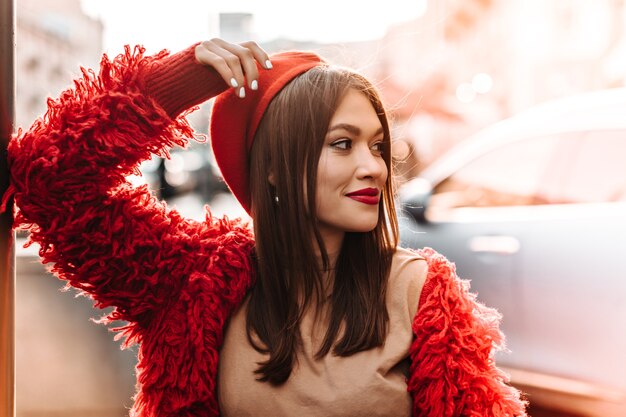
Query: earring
{"x":276,"y":199}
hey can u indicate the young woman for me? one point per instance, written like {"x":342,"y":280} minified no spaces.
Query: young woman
{"x":320,"y":314}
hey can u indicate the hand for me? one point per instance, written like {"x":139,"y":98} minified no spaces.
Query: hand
{"x":234,"y":62}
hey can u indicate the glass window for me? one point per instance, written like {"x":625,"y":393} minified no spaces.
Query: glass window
{"x":598,"y":172}
{"x":511,"y":175}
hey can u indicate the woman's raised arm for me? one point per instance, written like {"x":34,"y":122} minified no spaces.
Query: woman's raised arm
{"x":68,"y":171}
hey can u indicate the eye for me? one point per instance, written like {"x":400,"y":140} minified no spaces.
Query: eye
{"x":378,"y":148}
{"x":342,"y":144}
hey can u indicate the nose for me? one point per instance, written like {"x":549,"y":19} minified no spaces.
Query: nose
{"x":369,"y":165}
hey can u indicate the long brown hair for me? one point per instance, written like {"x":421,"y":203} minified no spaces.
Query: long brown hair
{"x":288,"y":143}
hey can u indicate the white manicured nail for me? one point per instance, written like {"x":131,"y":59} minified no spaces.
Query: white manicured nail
{"x":254,"y":85}
{"x":233,"y":82}
{"x":242,"y":92}
{"x":268,"y":64}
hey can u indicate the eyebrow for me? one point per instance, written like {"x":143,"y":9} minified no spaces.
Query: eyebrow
{"x":355,"y":130}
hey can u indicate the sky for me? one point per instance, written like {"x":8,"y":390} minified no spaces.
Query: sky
{"x":159,"y":24}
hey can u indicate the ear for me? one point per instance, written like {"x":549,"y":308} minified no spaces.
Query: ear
{"x":271,"y":178}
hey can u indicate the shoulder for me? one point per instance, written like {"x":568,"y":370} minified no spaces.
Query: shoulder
{"x":427,"y":274}
{"x":445,"y":298}
{"x":441,"y":274}
{"x":408,"y":275}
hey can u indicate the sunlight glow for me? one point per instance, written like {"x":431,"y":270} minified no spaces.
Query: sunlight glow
{"x":482,"y":83}
{"x":174,"y":25}
{"x":465,"y":93}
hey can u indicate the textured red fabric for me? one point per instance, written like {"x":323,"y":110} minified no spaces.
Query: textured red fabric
{"x":453,"y":371}
{"x":176,"y":281}
{"x":235,"y":120}
{"x":177,"y":82}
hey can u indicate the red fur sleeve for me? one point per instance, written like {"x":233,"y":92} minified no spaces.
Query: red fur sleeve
{"x":453,"y":372}
{"x":68,"y":172}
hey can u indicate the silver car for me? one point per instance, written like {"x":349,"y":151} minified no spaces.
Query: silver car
{"x":533,"y":211}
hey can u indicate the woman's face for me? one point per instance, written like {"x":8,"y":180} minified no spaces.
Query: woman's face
{"x":351,"y":172}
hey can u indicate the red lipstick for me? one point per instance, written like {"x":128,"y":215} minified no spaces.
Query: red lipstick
{"x":366,"y":195}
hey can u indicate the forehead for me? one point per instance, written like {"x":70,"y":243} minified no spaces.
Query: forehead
{"x":355,"y":108}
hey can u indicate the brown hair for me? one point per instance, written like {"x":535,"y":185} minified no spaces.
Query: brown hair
{"x":289,"y":142}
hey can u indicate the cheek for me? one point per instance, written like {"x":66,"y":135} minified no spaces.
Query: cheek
{"x":332,"y":179}
{"x":324,"y":185}
{"x":322,"y":179}
{"x":385,"y":171}
{"x":327,"y":171}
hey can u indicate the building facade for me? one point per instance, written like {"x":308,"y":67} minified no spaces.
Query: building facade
{"x":54,"y":38}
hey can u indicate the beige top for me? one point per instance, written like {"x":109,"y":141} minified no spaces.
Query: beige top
{"x":371,"y":382}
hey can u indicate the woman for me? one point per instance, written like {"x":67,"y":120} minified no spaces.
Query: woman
{"x":320,"y":313}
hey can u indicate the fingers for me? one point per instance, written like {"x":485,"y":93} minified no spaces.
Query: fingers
{"x":236,"y":64}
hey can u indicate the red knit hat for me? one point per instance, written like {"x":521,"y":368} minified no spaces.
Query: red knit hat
{"x":234,"y":120}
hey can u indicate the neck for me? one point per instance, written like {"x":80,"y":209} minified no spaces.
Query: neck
{"x":332,"y":243}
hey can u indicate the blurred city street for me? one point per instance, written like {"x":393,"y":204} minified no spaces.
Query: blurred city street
{"x":191,"y":205}
{"x":512,"y":115}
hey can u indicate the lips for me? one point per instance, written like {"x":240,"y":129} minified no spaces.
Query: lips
{"x":366,"y":195}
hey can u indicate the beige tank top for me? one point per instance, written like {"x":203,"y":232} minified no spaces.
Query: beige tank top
{"x":371,"y":382}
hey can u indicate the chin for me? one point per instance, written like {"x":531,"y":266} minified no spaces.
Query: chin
{"x":363,"y":227}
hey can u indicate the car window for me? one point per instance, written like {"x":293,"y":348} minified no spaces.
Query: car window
{"x":515,"y":174}
{"x":597,"y":174}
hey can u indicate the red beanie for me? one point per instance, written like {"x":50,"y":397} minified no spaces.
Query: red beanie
{"x":234,"y":120}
